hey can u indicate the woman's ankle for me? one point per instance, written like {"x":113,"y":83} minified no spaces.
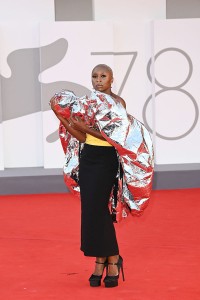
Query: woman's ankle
{"x":99,"y":266}
{"x":112,"y":265}
{"x":113,"y":259}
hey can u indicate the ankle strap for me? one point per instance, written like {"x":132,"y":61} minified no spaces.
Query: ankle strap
{"x":113,"y":264}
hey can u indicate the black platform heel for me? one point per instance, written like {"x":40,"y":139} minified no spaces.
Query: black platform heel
{"x":112,"y":281}
{"x":95,"y":280}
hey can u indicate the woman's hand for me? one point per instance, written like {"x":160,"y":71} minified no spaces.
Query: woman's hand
{"x":52,"y":104}
{"x":78,"y":124}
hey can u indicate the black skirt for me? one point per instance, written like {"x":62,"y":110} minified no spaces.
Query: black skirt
{"x":98,"y":169}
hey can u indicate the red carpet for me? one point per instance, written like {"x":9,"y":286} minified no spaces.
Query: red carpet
{"x":40,"y":256}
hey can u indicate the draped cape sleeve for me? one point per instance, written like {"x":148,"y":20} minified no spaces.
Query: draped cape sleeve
{"x":130,"y":138}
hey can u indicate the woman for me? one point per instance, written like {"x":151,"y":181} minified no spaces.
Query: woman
{"x":98,"y":169}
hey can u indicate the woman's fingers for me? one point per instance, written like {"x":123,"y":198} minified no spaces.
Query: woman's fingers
{"x":77,"y":123}
{"x":79,"y":119}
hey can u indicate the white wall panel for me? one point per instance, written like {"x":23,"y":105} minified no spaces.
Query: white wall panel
{"x":1,"y":148}
{"x":1,"y":132}
{"x":129,"y":10}
{"x":133,"y":37}
{"x":20,"y":130}
{"x":14,"y":36}
{"x":177,"y":68}
{"x":23,"y":141}
{"x":30,"y":11}
{"x":83,"y":39}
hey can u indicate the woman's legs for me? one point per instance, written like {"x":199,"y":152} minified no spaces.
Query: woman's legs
{"x":98,"y":169}
{"x":112,"y":269}
{"x":98,"y":270}
{"x":97,"y":173}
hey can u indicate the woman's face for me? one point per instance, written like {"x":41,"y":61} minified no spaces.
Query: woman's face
{"x":102,"y":79}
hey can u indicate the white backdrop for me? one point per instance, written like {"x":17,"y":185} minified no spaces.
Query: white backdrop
{"x":1,"y":137}
{"x":127,"y":47}
{"x":177,"y":69}
{"x":14,"y":36}
{"x":22,"y":133}
{"x":129,"y":10}
{"x":109,"y":44}
{"x":29,"y":11}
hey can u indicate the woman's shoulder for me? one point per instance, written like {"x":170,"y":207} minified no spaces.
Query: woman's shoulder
{"x":122,"y":102}
{"x":120,"y":99}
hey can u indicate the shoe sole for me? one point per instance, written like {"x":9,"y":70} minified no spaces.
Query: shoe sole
{"x":111,"y":284}
{"x":95,"y":284}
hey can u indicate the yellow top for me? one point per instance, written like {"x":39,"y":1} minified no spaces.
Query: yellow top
{"x":91,"y":140}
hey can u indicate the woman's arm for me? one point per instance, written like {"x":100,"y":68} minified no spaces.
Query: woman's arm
{"x":95,"y":133}
{"x":80,"y":136}
{"x":78,"y":124}
{"x":78,"y":128}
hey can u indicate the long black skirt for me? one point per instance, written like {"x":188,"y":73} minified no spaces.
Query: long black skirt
{"x":98,"y":169}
